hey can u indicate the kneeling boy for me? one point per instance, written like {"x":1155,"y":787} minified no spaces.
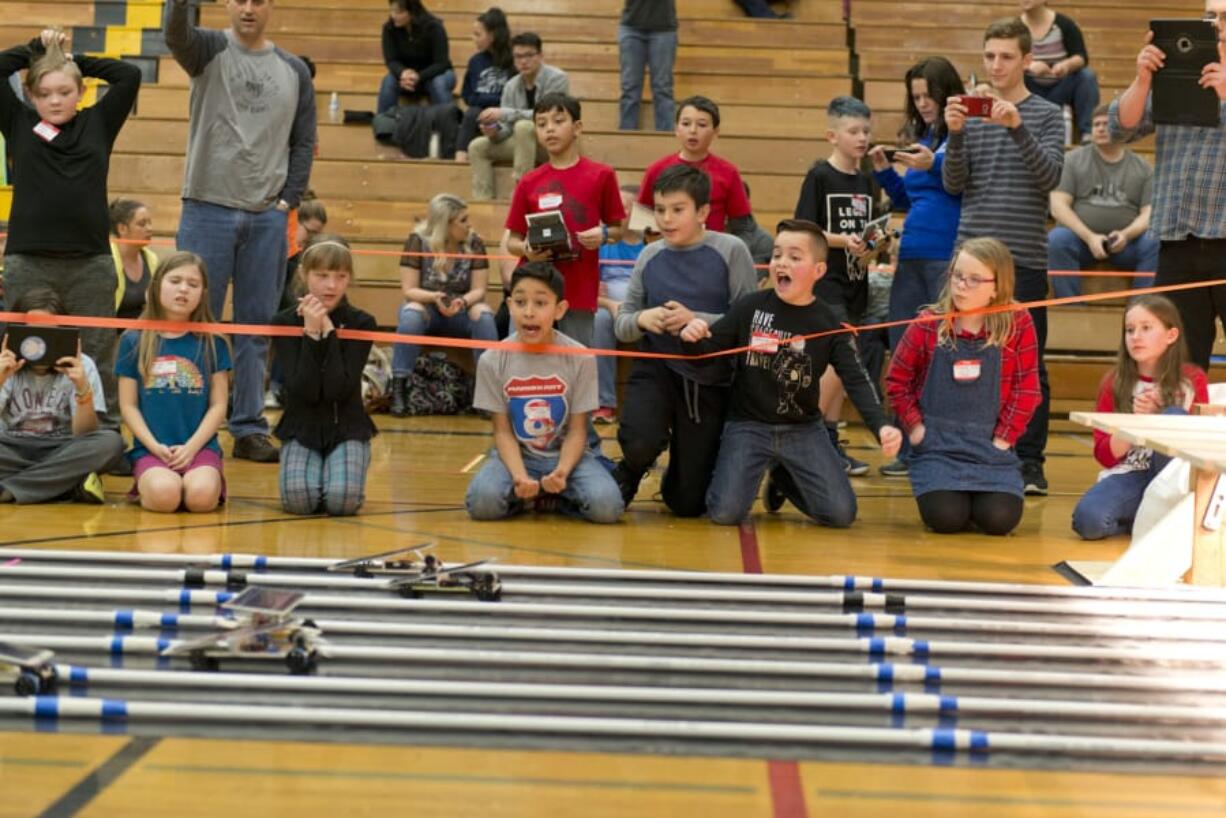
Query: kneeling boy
{"x":540,"y":405}
{"x":774,"y":419}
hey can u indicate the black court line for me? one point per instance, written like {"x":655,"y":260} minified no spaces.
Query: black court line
{"x":92,"y":785}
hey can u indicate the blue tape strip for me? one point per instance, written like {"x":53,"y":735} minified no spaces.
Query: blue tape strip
{"x":185,"y":600}
{"x":877,"y":585}
{"x":919,"y":649}
{"x":849,"y":583}
{"x":900,"y":625}
{"x":876,"y":647}
{"x":78,"y":675}
{"x":224,"y":596}
{"x":979,"y":742}
{"x":949,"y":704}
{"x":163,"y":644}
{"x":261,"y":563}
{"x":170,"y":620}
{"x":46,"y":707}
{"x":117,"y":646}
{"x":226,"y":561}
{"x":114,"y":709}
{"x":899,"y":705}
{"x":865,"y":624}
{"x":885,"y":673}
{"x":932,"y":675}
{"x":124,"y":619}
{"x":943,"y":740}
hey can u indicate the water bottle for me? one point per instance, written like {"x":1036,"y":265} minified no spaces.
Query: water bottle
{"x":334,"y":107}
{"x":1068,"y":126}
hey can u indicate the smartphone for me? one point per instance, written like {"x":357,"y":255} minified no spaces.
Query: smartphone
{"x":890,"y":153}
{"x":978,"y":106}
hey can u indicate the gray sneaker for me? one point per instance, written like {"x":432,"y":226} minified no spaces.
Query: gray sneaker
{"x":895,"y":468}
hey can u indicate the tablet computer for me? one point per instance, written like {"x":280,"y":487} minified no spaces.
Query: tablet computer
{"x":1178,"y":99}
{"x":42,"y":345}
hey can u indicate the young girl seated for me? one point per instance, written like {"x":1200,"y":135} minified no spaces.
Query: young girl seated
{"x":173,"y":388}
{"x":964,"y":388}
{"x":1152,"y":375}
{"x":325,"y":431}
{"x":443,"y":296}
{"x":51,"y":447}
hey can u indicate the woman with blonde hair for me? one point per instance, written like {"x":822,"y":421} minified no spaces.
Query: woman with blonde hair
{"x":443,"y":274}
{"x":58,"y":233}
{"x":964,"y":382}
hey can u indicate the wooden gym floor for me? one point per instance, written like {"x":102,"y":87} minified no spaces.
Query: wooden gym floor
{"x":415,"y":493}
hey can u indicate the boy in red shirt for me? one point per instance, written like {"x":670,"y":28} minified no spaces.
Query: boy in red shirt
{"x":585,"y":193}
{"x":697,"y":127}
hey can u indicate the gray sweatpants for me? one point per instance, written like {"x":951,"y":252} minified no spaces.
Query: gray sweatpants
{"x":87,"y":287}
{"x":38,"y":469}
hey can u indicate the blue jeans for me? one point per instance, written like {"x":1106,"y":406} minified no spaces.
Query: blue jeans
{"x":1079,"y":89}
{"x":658,"y":51}
{"x":439,"y":90}
{"x":917,"y":283}
{"x":756,"y":8}
{"x":819,"y":486}
{"x":247,"y":249}
{"x":590,"y":493}
{"x":1110,"y":505}
{"x":603,"y":338}
{"x":1066,"y":251}
{"x":432,"y":322}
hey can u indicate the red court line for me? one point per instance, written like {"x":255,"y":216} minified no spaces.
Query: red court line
{"x":787,"y":790}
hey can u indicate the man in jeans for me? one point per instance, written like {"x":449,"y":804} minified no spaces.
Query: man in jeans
{"x":647,"y":37}
{"x":1189,"y":191}
{"x":509,"y":131}
{"x":1004,"y":166}
{"x":250,"y":141}
{"x":1102,"y":208}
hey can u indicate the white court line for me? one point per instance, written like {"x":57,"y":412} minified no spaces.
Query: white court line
{"x":472,"y":464}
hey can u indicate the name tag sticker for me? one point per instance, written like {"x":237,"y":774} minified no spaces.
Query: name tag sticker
{"x":550,"y":201}
{"x":46,"y":131}
{"x":966,"y":371}
{"x":164,"y":367}
{"x":764,"y":342}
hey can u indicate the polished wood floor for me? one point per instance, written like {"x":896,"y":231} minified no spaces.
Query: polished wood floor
{"x":419,"y":472}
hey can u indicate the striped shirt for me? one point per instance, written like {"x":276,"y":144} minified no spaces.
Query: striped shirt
{"x":1004,"y":177}
{"x":1189,"y":175}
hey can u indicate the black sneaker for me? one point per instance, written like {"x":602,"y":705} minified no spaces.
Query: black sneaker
{"x":1034,"y":483}
{"x":772,"y":495}
{"x":626,"y":482}
{"x":895,"y":468}
{"x":853,"y":467}
{"x":257,"y":447}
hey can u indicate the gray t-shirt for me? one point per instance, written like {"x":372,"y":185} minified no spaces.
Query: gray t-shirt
{"x":43,"y":405}
{"x":251,"y":130}
{"x":537,"y":393}
{"x":1106,"y":195}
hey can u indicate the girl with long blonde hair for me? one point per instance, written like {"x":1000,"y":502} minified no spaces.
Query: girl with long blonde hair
{"x":964,"y":384}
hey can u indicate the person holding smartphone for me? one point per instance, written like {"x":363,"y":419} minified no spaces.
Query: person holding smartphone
{"x":1189,"y":199}
{"x":1004,"y":165}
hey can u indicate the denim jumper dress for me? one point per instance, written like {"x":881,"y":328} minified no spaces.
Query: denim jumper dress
{"x":960,"y":403}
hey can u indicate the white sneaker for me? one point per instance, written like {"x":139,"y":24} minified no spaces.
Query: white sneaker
{"x":270,"y":400}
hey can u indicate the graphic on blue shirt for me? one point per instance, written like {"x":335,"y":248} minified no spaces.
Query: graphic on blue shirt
{"x":537,"y":408}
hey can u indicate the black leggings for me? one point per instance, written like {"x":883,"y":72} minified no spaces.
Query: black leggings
{"x":992,"y":512}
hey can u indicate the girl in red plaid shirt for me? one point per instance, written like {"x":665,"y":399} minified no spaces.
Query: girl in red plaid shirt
{"x":964,"y":385}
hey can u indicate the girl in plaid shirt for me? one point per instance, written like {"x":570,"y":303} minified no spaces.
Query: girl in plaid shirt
{"x":964,"y":386}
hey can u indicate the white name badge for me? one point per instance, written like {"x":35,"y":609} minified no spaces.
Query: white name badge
{"x":164,"y":367}
{"x":764,"y":342}
{"x":550,"y":201}
{"x":966,"y":371}
{"x":46,"y":131}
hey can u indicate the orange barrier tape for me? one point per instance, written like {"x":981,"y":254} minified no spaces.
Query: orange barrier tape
{"x":603,"y":262}
{"x":469,"y":343}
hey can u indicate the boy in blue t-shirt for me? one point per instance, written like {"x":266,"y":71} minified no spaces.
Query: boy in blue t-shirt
{"x":616,"y":264}
{"x":539,"y":404}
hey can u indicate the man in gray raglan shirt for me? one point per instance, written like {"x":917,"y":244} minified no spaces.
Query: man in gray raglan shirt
{"x":1004,"y":166}
{"x":250,"y":145}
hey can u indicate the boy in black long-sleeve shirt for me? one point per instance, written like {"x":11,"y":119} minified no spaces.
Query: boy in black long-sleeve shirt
{"x":774,"y":421}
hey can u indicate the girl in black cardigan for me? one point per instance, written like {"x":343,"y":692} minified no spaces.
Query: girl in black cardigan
{"x":325,"y":432}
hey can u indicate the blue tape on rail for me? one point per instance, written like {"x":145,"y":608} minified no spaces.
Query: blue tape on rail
{"x":163,"y":644}
{"x":900,"y":625}
{"x":944,"y":740}
{"x":877,"y":585}
{"x":117,"y":646}
{"x":124,"y":619}
{"x":865,"y":624}
{"x":885,"y":677}
{"x":170,"y":620}
{"x":224,"y":597}
{"x":261,"y":563}
{"x":849,"y":583}
{"x":919,"y":650}
{"x":876,"y":647}
{"x":114,"y":709}
{"x":185,"y":600}
{"x":898,"y":705}
{"x":932,"y":675}
{"x":949,"y":704}
{"x":226,"y":561}
{"x":46,"y":707}
{"x":979,"y":742}
{"x":78,"y":675}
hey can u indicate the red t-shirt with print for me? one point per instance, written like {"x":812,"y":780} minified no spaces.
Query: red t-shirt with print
{"x":728,"y":199}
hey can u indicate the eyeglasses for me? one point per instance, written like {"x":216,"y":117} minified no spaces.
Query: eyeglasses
{"x":1214,"y":16}
{"x":970,"y":282}
{"x":524,"y":55}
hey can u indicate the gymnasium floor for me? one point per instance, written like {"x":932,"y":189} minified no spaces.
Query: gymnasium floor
{"x":419,"y":471}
